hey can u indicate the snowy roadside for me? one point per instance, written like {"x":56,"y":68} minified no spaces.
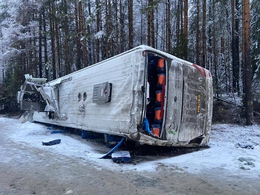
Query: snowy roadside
{"x":230,"y":150}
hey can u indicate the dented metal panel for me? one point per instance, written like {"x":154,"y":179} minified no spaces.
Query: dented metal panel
{"x":193,"y":120}
{"x":189,"y":105}
{"x":121,"y":115}
{"x":175,"y":101}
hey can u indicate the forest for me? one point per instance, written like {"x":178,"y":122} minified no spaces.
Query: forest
{"x":52,"y":38}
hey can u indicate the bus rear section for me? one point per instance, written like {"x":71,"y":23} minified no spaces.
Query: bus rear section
{"x":178,"y":107}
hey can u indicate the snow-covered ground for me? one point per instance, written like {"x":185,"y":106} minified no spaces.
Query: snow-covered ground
{"x":233,"y":150}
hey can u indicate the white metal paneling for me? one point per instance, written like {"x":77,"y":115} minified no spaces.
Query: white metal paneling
{"x":193,"y":123}
{"x":122,"y":114}
{"x":174,"y":101}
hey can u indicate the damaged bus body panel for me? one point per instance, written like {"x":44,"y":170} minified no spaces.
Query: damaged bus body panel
{"x":144,"y":94}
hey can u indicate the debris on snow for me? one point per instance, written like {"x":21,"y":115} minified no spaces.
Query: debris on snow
{"x":50,"y":143}
{"x":244,"y":146}
{"x":121,"y":157}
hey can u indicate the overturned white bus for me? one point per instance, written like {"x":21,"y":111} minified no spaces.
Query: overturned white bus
{"x":143,"y":94}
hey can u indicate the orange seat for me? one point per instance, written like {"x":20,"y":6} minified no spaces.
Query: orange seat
{"x":161,"y":65}
{"x":159,"y":96}
{"x":156,"y":130}
{"x":158,"y":115}
{"x":161,"y":79}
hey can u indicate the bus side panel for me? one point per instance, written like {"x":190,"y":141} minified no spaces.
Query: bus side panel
{"x":174,"y":101}
{"x":119,"y":116}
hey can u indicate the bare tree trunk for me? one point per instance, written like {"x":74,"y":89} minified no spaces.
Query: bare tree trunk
{"x":106,"y":52}
{"x":90,"y":42}
{"x":150,"y":27}
{"x":215,"y":62}
{"x":57,"y":37}
{"x":228,"y":53}
{"x":156,"y":28}
{"x":185,"y":30}
{"x":243,"y":48}
{"x":178,"y":28}
{"x":82,"y":34}
{"x":168,"y":26}
{"x":143,"y":37}
{"x":204,"y":38}
{"x":198,"y":33}
{"x":79,"y":52}
{"x":52,"y":33}
{"x":40,"y":43}
{"x":122,"y":26}
{"x":247,"y":63}
{"x":99,"y":28}
{"x":210,"y":45}
{"x":131,"y":26}
{"x":46,"y":60}
{"x":235,"y":45}
{"x":66,"y":38}
{"x":35,"y":59}
{"x":108,"y":41}
{"x":223,"y":63}
{"x":237,"y":21}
